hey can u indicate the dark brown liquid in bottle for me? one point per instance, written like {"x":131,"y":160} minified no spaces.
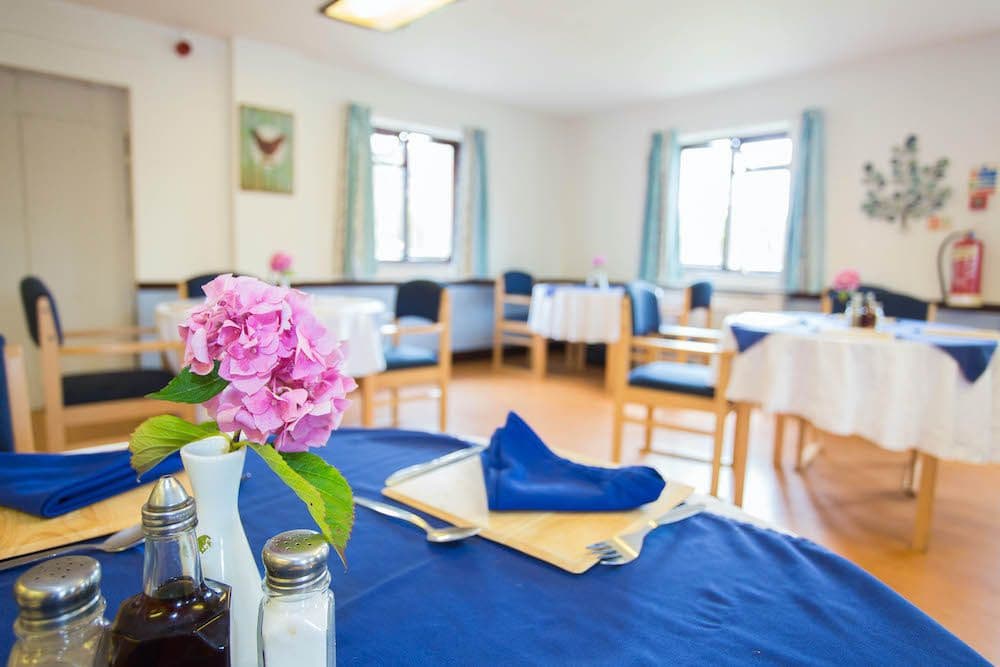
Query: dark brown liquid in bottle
{"x":182,"y":625}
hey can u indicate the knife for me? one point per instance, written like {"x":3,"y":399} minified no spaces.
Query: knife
{"x":409,"y":472}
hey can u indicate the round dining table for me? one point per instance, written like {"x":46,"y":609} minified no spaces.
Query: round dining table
{"x":578,"y":315}
{"x":904,"y":386}
{"x":353,"y":320}
{"x":713,"y":589}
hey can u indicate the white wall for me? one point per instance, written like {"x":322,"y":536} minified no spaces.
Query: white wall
{"x":946,"y":95}
{"x":525,"y":161}
{"x":190,"y":215}
{"x":179,"y":122}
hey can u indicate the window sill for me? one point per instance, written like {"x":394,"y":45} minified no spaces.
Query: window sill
{"x":733,"y":281}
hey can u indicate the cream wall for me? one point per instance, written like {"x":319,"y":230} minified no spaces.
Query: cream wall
{"x":525,"y":161}
{"x":947,"y":95}
{"x":190,"y":215}
{"x":179,"y":125}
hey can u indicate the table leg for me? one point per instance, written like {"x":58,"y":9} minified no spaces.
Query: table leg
{"x":779,"y":439}
{"x":925,"y":502}
{"x":740,"y":444}
{"x":539,"y":353}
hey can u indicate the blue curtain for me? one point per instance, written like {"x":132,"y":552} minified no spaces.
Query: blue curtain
{"x":804,"y":261}
{"x":651,"y":245}
{"x":660,"y":236}
{"x":473,"y":213}
{"x":359,"y":233}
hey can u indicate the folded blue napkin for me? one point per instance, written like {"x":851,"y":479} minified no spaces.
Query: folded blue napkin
{"x":747,"y":337}
{"x":521,"y":473}
{"x":971,"y":354}
{"x":48,"y":485}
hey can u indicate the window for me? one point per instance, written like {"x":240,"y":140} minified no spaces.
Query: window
{"x":733,"y":203}
{"x":414,"y":187}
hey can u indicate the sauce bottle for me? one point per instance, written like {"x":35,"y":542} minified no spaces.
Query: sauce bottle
{"x":179,"y":618}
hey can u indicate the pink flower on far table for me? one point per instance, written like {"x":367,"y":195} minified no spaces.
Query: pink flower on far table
{"x":847,"y":280}
{"x":599,"y":261}
{"x":281,"y":262}
{"x":284,"y":370}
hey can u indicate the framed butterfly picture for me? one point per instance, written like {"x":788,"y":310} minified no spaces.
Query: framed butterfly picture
{"x":266,"y":150}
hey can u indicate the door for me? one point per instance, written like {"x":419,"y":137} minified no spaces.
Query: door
{"x":64,"y":207}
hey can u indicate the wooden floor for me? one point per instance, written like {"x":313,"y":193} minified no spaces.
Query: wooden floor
{"x":849,"y":500}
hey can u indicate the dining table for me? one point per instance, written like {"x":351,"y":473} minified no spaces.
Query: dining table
{"x":716,"y":588}
{"x":904,"y":386}
{"x":578,"y":315}
{"x":352,"y":320}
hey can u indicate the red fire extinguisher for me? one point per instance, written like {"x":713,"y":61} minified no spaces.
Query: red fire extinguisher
{"x":964,"y":289}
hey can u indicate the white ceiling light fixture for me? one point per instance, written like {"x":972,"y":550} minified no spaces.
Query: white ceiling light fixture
{"x":381,"y":15}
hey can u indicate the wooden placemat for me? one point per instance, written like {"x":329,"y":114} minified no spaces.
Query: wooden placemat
{"x":456,"y":493}
{"x":22,"y":533}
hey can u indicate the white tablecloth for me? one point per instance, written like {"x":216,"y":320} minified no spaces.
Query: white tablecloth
{"x":575,"y":313}
{"x":351,"y":319}
{"x":898,"y":394}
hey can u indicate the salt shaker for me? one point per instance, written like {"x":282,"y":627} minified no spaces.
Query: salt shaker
{"x":61,"y":619}
{"x":296,"y":612}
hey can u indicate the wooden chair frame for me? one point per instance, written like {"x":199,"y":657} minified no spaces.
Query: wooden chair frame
{"x":646,"y":349}
{"x":393,"y":380}
{"x":17,"y":396}
{"x":58,"y":416}
{"x":515,"y":332}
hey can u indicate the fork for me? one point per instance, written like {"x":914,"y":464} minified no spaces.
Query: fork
{"x":622,"y":549}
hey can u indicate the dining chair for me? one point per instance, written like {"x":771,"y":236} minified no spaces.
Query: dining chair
{"x":894,"y":304}
{"x":511,"y":303}
{"x":103,"y":397}
{"x":697,"y":296}
{"x":15,"y":406}
{"x":408,"y":365}
{"x":644,"y":378}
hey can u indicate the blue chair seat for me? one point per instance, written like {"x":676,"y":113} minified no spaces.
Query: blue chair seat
{"x":408,"y":356}
{"x":112,"y":385}
{"x":694,"y":379}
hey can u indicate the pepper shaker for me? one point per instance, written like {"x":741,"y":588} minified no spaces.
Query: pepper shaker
{"x":296,"y":622}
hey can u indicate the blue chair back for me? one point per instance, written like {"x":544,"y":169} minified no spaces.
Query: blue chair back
{"x":893,"y":303}
{"x":33,"y":289}
{"x":419,"y":298}
{"x":645,"y":308}
{"x":518,"y":282}
{"x":701,"y":295}
{"x":6,"y":419}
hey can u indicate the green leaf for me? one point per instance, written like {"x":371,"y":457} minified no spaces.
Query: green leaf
{"x":321,"y":487}
{"x":159,"y":437}
{"x":204,"y":543}
{"x":190,"y":387}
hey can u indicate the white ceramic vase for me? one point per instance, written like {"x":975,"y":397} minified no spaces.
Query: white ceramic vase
{"x":215,"y":475}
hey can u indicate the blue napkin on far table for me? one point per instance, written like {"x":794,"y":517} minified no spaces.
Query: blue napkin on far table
{"x":48,"y":485}
{"x":521,"y":473}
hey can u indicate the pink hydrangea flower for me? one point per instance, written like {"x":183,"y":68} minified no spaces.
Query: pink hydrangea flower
{"x":281,"y":262}
{"x":599,"y":260}
{"x":847,"y":280}
{"x":284,"y":370}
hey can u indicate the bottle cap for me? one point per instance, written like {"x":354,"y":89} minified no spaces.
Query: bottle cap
{"x":58,"y":592}
{"x":169,"y":510}
{"x":295,"y":561}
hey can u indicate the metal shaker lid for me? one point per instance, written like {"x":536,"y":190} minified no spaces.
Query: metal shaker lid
{"x":58,"y":591}
{"x":169,"y":509}
{"x":295,"y":561}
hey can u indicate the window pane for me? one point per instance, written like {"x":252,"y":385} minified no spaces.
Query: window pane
{"x":388,"y":190}
{"x":766,"y":153}
{"x":703,"y":202}
{"x":759,"y":217}
{"x":387,"y":149}
{"x":432,"y":199}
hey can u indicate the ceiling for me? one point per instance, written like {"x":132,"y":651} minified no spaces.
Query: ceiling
{"x":575,"y":55}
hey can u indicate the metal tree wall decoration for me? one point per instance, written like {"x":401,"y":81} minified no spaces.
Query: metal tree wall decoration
{"x":911,"y":191}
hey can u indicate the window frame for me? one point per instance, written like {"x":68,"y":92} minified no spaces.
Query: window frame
{"x":737,"y":139}
{"x":457,"y":147}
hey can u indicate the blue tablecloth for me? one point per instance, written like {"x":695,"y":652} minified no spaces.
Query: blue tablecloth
{"x":705,"y":591}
